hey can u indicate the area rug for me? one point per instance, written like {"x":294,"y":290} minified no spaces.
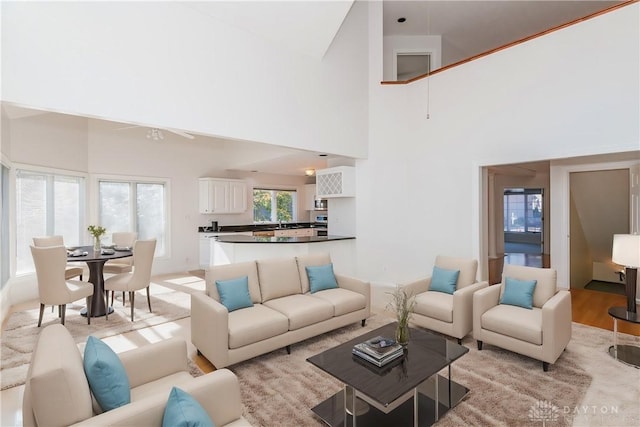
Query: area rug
{"x":170,"y":300}
{"x":581,"y":388}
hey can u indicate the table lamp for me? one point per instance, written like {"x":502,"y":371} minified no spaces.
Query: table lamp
{"x":626,"y":251}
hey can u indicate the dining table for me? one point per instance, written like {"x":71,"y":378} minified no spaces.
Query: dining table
{"x":95,"y":261}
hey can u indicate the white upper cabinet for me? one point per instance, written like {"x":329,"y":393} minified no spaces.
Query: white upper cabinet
{"x":222,"y":196}
{"x":336,"y":182}
{"x":309,"y":197}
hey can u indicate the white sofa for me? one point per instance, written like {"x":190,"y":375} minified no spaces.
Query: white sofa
{"x":57,"y":391}
{"x":283,"y":312}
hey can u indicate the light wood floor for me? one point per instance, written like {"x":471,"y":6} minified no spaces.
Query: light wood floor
{"x":591,"y":307}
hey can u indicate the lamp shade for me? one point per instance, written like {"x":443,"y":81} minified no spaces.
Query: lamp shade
{"x":626,"y":250}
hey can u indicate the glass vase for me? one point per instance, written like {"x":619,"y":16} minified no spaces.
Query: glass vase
{"x":402,"y":334}
{"x":96,"y":243}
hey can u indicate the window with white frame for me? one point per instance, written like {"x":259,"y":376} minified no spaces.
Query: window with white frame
{"x":4,"y":226}
{"x":47,"y":204}
{"x":135,"y":205}
{"x":273,"y":205}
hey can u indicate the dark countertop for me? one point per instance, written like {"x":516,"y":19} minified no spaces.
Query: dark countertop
{"x":257,"y":239}
{"x":261,"y":227}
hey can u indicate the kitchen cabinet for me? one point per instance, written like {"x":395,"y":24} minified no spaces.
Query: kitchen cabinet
{"x":296,"y":232}
{"x":336,"y":182}
{"x":310,"y":197}
{"x":206,"y":243}
{"x":222,"y":196}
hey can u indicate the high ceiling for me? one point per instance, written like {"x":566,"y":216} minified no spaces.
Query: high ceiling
{"x":469,"y":28}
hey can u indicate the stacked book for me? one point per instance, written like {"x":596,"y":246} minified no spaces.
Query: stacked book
{"x":378,"y":350}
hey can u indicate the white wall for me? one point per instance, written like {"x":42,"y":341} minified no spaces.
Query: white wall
{"x":165,"y":64}
{"x":393,"y":44}
{"x":544,"y":99}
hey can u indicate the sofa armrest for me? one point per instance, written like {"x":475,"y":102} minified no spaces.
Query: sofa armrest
{"x":151,"y":362}
{"x":359,"y":286}
{"x":463,"y":306}
{"x":556,"y":324}
{"x":417,"y":286}
{"x":483,"y":300}
{"x":218,"y":392}
{"x":210,"y":329}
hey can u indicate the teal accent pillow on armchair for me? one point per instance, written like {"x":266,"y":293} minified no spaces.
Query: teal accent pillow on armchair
{"x":183,"y":410}
{"x":107,"y":377}
{"x":518,"y":292}
{"x":443,"y":280}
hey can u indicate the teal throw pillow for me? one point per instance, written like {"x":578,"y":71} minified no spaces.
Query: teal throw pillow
{"x":321,"y":277}
{"x":518,"y":292}
{"x":444,"y":280}
{"x":183,"y":410}
{"x":107,"y":377}
{"x":234,"y":293}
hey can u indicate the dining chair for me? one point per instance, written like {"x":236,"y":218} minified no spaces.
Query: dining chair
{"x":72,"y":270}
{"x":121,"y":265}
{"x":53,"y":287}
{"x":139,"y":278}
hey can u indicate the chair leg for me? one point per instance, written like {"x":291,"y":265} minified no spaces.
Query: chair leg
{"x":106,"y":302}
{"x":53,"y":308}
{"x":59,"y":311}
{"x":364,"y":322}
{"x":63,"y":308}
{"x":288,"y":349}
{"x":41,"y":312}
{"x":124,"y":299}
{"x":459,"y":341}
{"x":149,"y":299}
{"x":479,"y":345}
{"x":89,"y":312}
{"x":132,"y":296}
{"x":545,"y":366}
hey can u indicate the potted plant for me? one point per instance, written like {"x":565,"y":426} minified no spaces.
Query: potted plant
{"x":403,"y":305}
{"x":96,"y":231}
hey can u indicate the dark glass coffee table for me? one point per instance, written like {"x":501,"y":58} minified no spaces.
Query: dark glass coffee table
{"x":405,"y":392}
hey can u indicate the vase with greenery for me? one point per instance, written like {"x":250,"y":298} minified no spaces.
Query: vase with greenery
{"x":403,"y":305}
{"x":96,"y":231}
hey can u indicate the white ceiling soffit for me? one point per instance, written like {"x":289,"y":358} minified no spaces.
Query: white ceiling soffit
{"x":303,"y":26}
{"x":469,"y":28}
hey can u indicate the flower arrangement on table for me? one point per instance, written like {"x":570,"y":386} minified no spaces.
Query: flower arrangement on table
{"x":403,"y":305}
{"x":96,"y":231}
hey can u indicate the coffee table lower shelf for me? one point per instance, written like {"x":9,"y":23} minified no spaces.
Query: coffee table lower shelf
{"x":332,"y":412}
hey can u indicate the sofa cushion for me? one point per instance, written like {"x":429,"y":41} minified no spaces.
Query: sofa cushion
{"x":302,"y":310}
{"x":278,"y":278}
{"x":514,"y":322}
{"x":183,"y":410}
{"x":321,"y":277}
{"x":437,"y":305}
{"x":545,"y":277}
{"x":518,"y":292}
{"x":233,"y":271}
{"x":106,"y":375}
{"x":234,"y":293}
{"x":443,"y":280}
{"x":257,"y":323}
{"x":57,"y":386}
{"x":468,"y":269}
{"x":343,"y":300}
{"x":310,"y":260}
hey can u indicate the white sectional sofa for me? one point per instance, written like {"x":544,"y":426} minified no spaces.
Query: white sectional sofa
{"x":284,"y":310}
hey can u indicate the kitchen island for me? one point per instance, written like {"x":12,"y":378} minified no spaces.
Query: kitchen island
{"x":237,"y":248}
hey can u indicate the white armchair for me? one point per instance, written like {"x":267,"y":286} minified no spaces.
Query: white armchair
{"x":541,"y":332}
{"x":449,"y":314}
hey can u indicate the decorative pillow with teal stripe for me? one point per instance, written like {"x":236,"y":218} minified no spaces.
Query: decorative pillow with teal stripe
{"x":107,"y":377}
{"x":321,"y":277}
{"x":183,"y":410}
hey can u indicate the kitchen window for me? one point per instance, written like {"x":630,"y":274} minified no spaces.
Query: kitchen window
{"x":135,"y":205}
{"x":273,"y":205}
{"x":47,"y":203}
